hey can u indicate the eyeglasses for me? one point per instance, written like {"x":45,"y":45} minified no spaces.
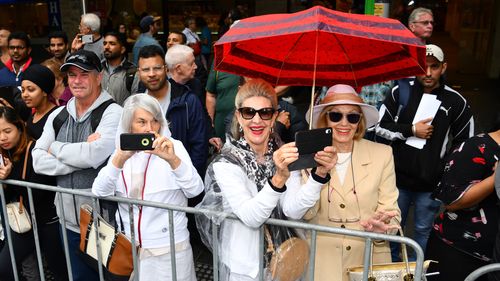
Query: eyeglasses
{"x":155,"y":69}
{"x":17,"y":47}
{"x":352,"y":118}
{"x":264,"y":113}
{"x":425,"y":22}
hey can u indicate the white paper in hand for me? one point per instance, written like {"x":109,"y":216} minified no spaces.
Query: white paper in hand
{"x":427,"y":108}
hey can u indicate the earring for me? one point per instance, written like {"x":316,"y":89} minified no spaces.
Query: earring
{"x":240,"y":129}
{"x":272,"y":129}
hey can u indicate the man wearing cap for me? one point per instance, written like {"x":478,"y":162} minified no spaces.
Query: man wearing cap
{"x":74,"y":151}
{"x":419,"y":169}
{"x":90,"y":24}
{"x":149,"y":27}
{"x":119,"y":75}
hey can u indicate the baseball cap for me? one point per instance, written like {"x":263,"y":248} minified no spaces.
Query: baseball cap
{"x":147,"y":21}
{"x":435,"y":51}
{"x":83,"y":59}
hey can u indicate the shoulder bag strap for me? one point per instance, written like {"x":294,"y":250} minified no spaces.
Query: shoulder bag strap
{"x":26,"y":156}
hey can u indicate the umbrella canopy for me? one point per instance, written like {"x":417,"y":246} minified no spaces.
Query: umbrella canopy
{"x":320,"y":46}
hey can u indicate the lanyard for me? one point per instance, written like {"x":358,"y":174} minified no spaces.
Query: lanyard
{"x":142,"y":197}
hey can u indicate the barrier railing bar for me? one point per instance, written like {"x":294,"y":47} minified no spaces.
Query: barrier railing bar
{"x":34,"y":225}
{"x":62,"y":221}
{"x":9,"y":233}
{"x":482,"y":270}
{"x":312,"y":257}
{"x":215,"y":250}
{"x":261,"y":253}
{"x":210,"y":213}
{"x":367,"y":258}
{"x":132,"y":240}
{"x":172,"y":244}
{"x":95,"y":214}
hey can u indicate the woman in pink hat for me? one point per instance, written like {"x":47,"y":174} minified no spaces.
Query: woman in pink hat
{"x":361,"y":194}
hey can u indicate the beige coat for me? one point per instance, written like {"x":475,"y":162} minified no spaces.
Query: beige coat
{"x":375,"y":183}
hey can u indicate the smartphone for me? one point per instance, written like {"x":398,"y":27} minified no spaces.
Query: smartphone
{"x":2,"y":164}
{"x":308,"y":143}
{"x":129,"y":141}
{"x":87,"y":38}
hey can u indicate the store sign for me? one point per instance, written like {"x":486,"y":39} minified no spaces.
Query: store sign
{"x":54,"y":14}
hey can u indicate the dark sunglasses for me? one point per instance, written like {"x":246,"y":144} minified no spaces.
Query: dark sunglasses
{"x":352,"y":118}
{"x":264,"y":113}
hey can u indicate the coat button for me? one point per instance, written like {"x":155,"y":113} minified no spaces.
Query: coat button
{"x":342,"y":206}
{"x":343,"y":226}
{"x":348,"y":248}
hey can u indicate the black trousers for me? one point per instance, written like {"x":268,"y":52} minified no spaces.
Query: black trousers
{"x":453,"y":264}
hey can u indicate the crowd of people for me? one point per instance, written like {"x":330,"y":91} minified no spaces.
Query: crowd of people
{"x":225,"y":143}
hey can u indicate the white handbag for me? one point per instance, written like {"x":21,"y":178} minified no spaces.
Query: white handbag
{"x":19,"y":219}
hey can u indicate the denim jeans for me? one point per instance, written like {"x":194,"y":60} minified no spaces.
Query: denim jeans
{"x":425,"y":210}
{"x":81,"y":271}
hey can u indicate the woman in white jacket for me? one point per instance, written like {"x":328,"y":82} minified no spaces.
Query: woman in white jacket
{"x":248,"y":179}
{"x":164,"y":174}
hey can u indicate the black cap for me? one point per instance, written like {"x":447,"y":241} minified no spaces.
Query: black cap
{"x":83,"y":59}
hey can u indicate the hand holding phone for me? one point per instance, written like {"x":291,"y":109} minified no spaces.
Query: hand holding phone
{"x":2,"y":164}
{"x":308,"y":143}
{"x":137,"y":142}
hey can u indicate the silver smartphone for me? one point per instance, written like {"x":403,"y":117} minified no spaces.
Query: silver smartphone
{"x":87,"y":38}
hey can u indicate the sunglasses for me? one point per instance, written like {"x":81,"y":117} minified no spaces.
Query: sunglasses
{"x":264,"y":113}
{"x":352,"y":118}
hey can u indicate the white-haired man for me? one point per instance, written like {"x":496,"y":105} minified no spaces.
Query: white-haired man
{"x":421,"y":23}
{"x":90,"y":24}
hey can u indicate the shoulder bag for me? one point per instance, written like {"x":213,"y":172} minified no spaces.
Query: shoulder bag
{"x":116,"y":247}
{"x":18,"y":216}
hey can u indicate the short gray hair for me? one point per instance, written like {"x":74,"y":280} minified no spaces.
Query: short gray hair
{"x":146,"y":102}
{"x":415,"y":14}
{"x":177,"y":54}
{"x":92,"y":21}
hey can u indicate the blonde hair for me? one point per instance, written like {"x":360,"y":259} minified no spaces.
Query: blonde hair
{"x":322,"y":122}
{"x":252,"y":88}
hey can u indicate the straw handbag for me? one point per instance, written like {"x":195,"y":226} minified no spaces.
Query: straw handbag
{"x":395,"y":271}
{"x":18,"y":216}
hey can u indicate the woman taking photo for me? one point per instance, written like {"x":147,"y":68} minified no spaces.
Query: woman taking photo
{"x":15,"y":147}
{"x":164,"y":174}
{"x":465,"y":232}
{"x":250,"y":178}
{"x":36,"y":87}
{"x":362,"y":193}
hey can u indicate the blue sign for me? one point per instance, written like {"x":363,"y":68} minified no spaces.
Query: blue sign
{"x":54,"y":14}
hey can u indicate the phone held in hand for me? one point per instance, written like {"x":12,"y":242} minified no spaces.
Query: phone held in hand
{"x":88,"y":38}
{"x":308,"y":143}
{"x":2,"y":164}
{"x":136,"y":142}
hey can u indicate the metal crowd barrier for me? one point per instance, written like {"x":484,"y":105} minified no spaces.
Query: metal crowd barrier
{"x":313,"y":228}
{"x":482,"y":270}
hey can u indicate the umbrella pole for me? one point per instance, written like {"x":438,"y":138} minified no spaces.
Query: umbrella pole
{"x":314,"y":82}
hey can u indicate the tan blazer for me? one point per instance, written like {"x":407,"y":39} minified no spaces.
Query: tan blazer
{"x":375,"y":184}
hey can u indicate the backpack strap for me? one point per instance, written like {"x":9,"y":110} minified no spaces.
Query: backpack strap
{"x":130,"y":71}
{"x":95,"y":116}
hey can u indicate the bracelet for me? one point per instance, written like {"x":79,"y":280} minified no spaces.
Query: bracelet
{"x":318,"y":178}
{"x":414,"y":129}
{"x":280,"y":190}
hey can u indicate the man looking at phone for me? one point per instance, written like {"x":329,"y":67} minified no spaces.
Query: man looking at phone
{"x":88,"y":37}
{"x":74,"y":151}
{"x":183,"y":109}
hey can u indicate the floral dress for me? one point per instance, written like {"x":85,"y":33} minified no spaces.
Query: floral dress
{"x":471,"y":230}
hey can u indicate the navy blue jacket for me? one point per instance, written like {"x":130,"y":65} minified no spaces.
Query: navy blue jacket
{"x":187,"y":123}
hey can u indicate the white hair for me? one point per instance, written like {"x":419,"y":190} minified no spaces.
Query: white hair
{"x":92,"y":21}
{"x":177,"y":54}
{"x":146,"y":102}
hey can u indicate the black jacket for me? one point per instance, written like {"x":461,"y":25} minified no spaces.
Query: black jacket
{"x":421,"y":169}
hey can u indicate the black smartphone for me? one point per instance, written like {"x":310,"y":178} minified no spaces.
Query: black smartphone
{"x":308,"y":143}
{"x":129,"y":141}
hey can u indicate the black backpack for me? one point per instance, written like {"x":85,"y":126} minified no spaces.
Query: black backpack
{"x":95,"y":117}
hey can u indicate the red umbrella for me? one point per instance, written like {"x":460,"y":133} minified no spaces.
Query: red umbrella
{"x":320,"y":46}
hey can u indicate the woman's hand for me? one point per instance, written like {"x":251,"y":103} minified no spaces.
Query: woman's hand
{"x":121,"y":156}
{"x":5,"y":170}
{"x":282,"y":157}
{"x":326,"y":159}
{"x":164,"y":148}
{"x":380,"y":222}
